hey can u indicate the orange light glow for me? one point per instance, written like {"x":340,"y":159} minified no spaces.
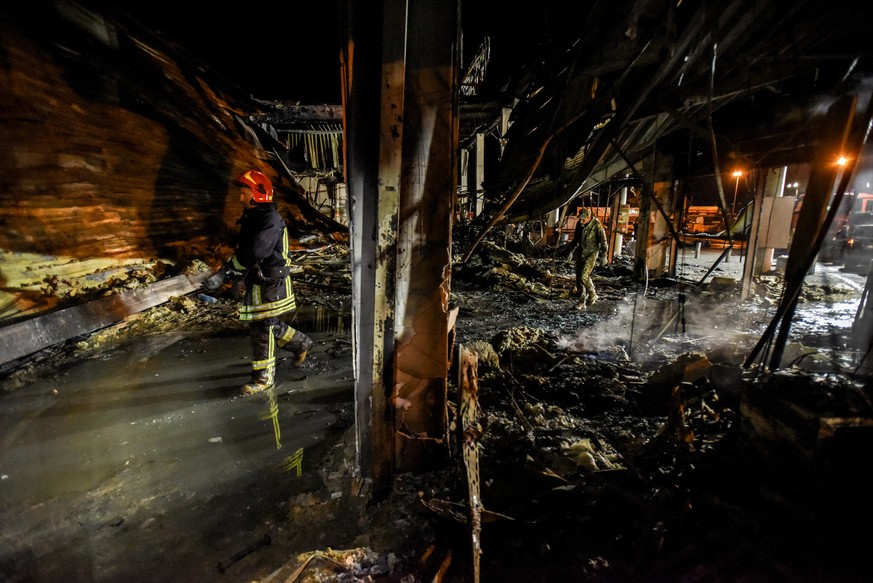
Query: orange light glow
{"x":842,"y":161}
{"x":737,"y":173}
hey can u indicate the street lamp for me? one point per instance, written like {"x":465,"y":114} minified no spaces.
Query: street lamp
{"x":736,"y":174}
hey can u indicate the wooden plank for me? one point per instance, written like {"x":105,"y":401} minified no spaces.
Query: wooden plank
{"x":468,"y":381}
{"x":27,"y":337}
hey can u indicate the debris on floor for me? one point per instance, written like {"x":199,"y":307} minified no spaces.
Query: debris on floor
{"x":623,"y":443}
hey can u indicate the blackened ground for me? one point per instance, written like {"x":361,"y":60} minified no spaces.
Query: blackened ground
{"x":582,"y":451}
{"x":592,"y":467}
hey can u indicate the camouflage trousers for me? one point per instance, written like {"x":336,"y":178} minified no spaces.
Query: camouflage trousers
{"x":584,"y":267}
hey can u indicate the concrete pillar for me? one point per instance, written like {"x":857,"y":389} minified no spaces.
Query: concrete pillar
{"x":367,"y":89}
{"x":642,"y":233}
{"x":774,"y":186}
{"x":400,"y":94}
{"x":479,"y":173}
{"x":651,"y":249}
{"x":768,"y":227}
{"x":423,"y":275}
{"x":660,"y":246}
{"x":466,"y":181}
{"x":616,"y":225}
{"x":752,"y":243}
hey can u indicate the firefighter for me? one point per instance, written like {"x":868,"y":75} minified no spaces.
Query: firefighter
{"x":589,"y":243}
{"x":261,"y":259}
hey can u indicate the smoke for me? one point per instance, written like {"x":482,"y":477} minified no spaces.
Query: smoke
{"x":603,"y":335}
{"x":638,"y":324}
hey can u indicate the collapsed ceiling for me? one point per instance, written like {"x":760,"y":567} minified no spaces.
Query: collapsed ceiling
{"x":603,"y":88}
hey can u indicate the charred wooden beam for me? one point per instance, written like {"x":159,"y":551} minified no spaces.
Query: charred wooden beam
{"x":29,"y":336}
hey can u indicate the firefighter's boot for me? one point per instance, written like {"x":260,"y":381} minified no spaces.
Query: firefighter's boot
{"x":300,"y":345}
{"x":261,"y":381}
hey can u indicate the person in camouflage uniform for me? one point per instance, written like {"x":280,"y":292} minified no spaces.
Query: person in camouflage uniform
{"x":589,"y":243}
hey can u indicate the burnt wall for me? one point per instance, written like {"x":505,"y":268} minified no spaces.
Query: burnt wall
{"x":109,"y":147}
{"x":115,"y":145}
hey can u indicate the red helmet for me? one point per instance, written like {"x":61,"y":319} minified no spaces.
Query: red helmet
{"x":262,"y":189}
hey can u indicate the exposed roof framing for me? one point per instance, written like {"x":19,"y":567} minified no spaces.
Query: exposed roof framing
{"x":757,"y":72}
{"x":288,"y":116}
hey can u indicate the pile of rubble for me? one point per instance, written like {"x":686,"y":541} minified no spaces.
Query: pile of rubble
{"x":615,"y":447}
{"x":621,"y":443}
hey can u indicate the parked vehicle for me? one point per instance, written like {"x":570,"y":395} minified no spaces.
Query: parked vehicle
{"x":859,"y":249}
{"x":834,"y":247}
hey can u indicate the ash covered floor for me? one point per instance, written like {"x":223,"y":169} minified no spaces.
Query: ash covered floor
{"x":136,"y":459}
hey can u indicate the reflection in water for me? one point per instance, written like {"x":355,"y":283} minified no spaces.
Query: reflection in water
{"x":273,"y":413}
{"x":322,"y":319}
{"x":294,"y":462}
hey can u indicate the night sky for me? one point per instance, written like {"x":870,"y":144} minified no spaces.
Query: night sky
{"x":284,"y":51}
{"x":290,"y":51}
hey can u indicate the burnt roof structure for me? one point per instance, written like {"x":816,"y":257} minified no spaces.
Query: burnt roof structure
{"x":598,"y":89}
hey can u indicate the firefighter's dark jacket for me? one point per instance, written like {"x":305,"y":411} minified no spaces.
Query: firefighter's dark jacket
{"x":262,"y":256}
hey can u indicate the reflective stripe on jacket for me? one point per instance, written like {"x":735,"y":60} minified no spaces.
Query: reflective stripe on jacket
{"x":262,"y":255}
